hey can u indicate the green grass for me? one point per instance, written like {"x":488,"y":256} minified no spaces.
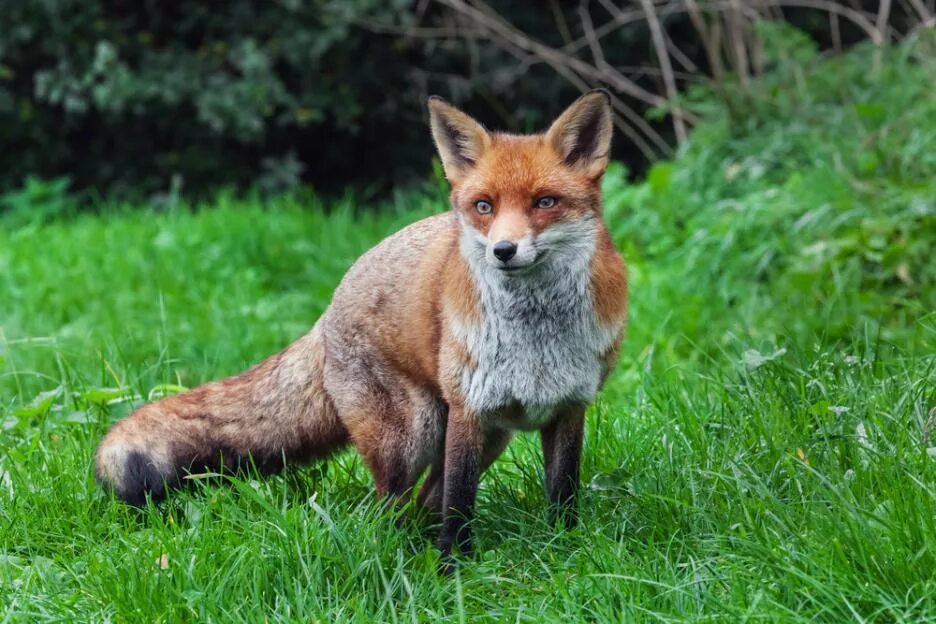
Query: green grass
{"x":762,"y":451}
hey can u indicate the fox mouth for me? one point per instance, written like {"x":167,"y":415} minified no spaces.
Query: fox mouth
{"x":523,"y":268}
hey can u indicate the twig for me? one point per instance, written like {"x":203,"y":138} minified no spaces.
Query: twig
{"x":573,"y":69}
{"x":560,"y":21}
{"x":836,"y":33}
{"x":856,"y":17}
{"x":738,"y":44}
{"x":628,"y":130}
{"x":880,"y":26}
{"x":669,"y":82}
{"x":589,"y":28}
{"x":679,"y":55}
{"x":711,"y":50}
{"x":883,"y":16}
{"x":515,"y":37}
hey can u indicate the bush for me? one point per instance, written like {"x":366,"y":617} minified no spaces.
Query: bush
{"x":124,"y":96}
{"x":823,"y":199}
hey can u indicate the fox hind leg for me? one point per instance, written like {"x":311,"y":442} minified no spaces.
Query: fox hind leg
{"x":397,"y":427}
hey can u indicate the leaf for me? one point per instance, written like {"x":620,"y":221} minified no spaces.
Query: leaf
{"x":40,"y":405}
{"x":77,"y":416}
{"x":659,"y":177}
{"x":103,"y":396}
{"x":870,"y":111}
{"x":164,"y":390}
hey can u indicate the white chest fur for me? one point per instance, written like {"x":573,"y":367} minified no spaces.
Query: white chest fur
{"x":539,"y":343}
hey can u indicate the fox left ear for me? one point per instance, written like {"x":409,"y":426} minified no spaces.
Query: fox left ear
{"x":459,"y":138}
{"x":582,"y":133}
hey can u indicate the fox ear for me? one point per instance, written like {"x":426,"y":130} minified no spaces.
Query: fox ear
{"x":459,"y":139}
{"x":582,"y":133}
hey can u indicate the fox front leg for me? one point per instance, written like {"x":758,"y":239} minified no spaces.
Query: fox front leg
{"x":464,"y":445}
{"x":562,"y":451}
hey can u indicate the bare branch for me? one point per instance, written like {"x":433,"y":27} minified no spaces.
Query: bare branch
{"x":708,"y":43}
{"x":552,"y":56}
{"x":656,"y":34}
{"x":560,"y":20}
{"x":882,"y":17}
{"x":736,"y":32}
{"x":619,"y":123}
{"x":880,"y":25}
{"x":679,"y":55}
{"x":593,"y":44}
{"x":836,"y":32}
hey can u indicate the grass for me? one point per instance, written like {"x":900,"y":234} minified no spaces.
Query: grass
{"x":762,"y":451}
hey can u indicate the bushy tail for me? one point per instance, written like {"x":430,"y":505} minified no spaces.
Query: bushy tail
{"x":275,"y":411}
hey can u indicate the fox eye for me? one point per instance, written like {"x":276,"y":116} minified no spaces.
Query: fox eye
{"x":546,"y":202}
{"x":483,"y":207}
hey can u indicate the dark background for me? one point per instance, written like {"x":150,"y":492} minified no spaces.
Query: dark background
{"x":137,"y":98}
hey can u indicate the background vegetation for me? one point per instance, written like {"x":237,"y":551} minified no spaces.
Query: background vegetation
{"x":763,"y":451}
{"x":150,"y":100}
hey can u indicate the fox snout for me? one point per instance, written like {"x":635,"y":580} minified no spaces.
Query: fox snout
{"x":508,"y":254}
{"x":504,"y":250}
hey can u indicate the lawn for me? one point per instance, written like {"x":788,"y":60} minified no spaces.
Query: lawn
{"x":763,"y":451}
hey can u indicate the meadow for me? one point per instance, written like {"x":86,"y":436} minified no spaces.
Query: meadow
{"x":764,"y":451}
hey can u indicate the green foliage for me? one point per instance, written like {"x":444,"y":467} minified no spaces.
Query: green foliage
{"x":763,"y":451}
{"x":38,"y":200}
{"x":134,"y":100}
{"x":124,"y":96}
{"x":840,"y":171}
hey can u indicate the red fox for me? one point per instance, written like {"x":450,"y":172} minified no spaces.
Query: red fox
{"x":503,"y":314}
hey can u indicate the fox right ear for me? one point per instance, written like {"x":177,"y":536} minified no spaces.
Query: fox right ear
{"x":459,"y":139}
{"x":582,"y":134}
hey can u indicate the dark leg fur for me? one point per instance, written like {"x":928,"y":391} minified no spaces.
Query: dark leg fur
{"x":562,"y":450}
{"x":463,"y":456}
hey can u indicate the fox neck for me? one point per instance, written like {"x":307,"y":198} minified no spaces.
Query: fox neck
{"x":537,"y":342}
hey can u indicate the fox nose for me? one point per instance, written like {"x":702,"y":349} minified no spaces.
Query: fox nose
{"x":505,"y":250}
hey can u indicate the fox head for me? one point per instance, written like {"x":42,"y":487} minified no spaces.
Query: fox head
{"x":521,"y":199}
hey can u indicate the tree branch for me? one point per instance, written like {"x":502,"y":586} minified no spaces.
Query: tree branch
{"x":656,"y":34}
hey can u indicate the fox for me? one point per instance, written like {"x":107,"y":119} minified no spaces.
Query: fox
{"x":504,"y":313}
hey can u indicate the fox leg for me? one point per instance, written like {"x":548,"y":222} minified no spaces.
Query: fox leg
{"x":396,"y":425}
{"x":430,"y":495}
{"x":464,"y":445}
{"x":470,"y":447}
{"x":562,"y":450}
{"x":385,"y":452}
